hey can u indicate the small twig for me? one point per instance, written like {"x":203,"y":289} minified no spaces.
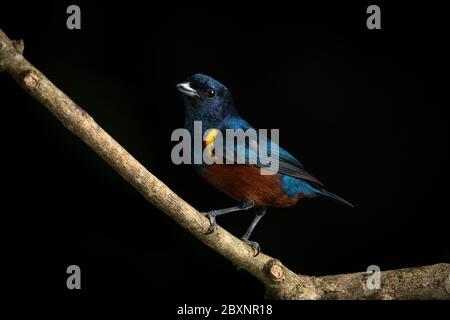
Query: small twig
{"x":281,"y":283}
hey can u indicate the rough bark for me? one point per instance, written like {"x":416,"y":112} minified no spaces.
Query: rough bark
{"x":428,"y":282}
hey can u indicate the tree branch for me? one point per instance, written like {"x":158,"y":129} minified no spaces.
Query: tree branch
{"x":281,"y":283}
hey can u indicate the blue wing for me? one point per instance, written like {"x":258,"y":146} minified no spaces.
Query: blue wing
{"x":248,"y":150}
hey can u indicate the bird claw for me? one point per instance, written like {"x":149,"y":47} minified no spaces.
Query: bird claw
{"x":254,"y":245}
{"x":211,"y":215}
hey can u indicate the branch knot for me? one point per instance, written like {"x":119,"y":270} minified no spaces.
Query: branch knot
{"x":30,"y":79}
{"x":19,"y":45}
{"x":275,"y":270}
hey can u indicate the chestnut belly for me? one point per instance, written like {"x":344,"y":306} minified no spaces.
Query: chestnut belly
{"x":243,"y":182}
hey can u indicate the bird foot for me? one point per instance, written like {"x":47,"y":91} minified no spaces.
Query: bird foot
{"x":211,"y":215}
{"x":254,"y":245}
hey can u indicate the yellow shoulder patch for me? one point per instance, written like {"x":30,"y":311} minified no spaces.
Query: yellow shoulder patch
{"x":209,"y":141}
{"x":211,"y":136}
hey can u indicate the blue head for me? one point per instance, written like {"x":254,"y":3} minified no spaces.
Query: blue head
{"x":206,"y":100}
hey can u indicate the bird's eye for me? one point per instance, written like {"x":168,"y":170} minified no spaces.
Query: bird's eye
{"x":211,"y":93}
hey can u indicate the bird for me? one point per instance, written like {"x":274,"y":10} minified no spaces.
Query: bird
{"x":209,"y":101}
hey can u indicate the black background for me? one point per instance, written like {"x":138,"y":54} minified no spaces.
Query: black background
{"x":364,"y":110}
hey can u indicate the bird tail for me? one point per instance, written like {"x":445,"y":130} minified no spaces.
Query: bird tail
{"x":330,"y":195}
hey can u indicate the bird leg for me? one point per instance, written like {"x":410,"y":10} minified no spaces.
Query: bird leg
{"x":259,"y":213}
{"x":245,"y":205}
